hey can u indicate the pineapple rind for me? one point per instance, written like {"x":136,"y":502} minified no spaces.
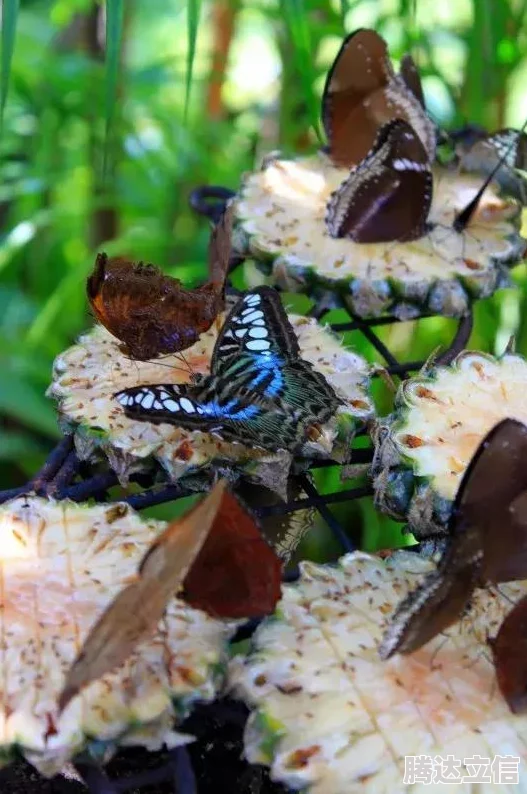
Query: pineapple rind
{"x":329,"y":716}
{"x":281,"y":223}
{"x":423,"y":449}
{"x":61,"y":564}
{"x":87,"y":375}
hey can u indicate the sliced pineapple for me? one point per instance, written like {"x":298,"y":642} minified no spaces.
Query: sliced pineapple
{"x":330,"y":717}
{"x":441,"y":416}
{"x":281,"y":223}
{"x":61,"y":564}
{"x":87,"y":375}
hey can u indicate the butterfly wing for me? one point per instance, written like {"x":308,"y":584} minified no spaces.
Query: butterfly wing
{"x":492,"y":498}
{"x":362,"y":93}
{"x":412,"y":79}
{"x":360,"y":69}
{"x":438,"y":602}
{"x":220,"y":251}
{"x":480,"y":152}
{"x":259,"y":392}
{"x":258,"y":353}
{"x":151,"y":313}
{"x":211,"y":410}
{"x":509,"y":649}
{"x":236,"y":574}
{"x":388,"y":196}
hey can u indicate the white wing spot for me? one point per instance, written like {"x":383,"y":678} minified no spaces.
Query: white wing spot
{"x":148,"y":400}
{"x":254,"y":315}
{"x":258,"y":344}
{"x":240,"y":332}
{"x":172,"y":405}
{"x":258,"y":333}
{"x":186,"y":405}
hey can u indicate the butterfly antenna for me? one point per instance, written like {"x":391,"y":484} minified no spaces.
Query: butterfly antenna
{"x":462,"y":220}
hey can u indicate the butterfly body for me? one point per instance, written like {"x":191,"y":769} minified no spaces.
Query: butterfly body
{"x":259,"y":391}
{"x":362,"y":93}
{"x":388,"y":196}
{"x":153,"y":314}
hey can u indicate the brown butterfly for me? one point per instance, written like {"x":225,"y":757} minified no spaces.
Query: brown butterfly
{"x":236,"y":574}
{"x":388,"y":196}
{"x":480,"y":152}
{"x":137,"y":609}
{"x":362,"y":93}
{"x":487,"y":543}
{"x":153,"y":314}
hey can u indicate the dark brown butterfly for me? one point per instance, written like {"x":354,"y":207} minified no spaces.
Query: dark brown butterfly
{"x":153,"y":314}
{"x":480,"y":152}
{"x":362,"y":93}
{"x":236,"y":574}
{"x":388,"y":196}
{"x":487,"y":543}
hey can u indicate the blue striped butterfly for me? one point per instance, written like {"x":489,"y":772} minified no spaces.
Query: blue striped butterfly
{"x":259,"y":391}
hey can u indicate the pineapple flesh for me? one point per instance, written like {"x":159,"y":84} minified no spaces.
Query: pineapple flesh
{"x":440,"y":418}
{"x":61,"y":564}
{"x":87,"y":375}
{"x":280,"y":222}
{"x":329,"y":717}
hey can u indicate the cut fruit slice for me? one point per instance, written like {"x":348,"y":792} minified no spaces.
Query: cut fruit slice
{"x":441,"y":416}
{"x":280,"y":221}
{"x":330,"y":717}
{"x":61,"y":565}
{"x":87,"y":376}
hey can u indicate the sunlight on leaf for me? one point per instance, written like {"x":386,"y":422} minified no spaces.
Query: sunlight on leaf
{"x":9,"y":17}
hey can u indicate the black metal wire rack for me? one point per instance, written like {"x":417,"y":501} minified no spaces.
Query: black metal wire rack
{"x":213,"y":762}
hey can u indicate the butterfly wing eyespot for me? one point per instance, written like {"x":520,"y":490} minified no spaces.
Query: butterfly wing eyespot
{"x":388,"y":196}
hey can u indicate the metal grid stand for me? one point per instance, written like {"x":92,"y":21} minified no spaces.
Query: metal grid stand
{"x":65,"y":476}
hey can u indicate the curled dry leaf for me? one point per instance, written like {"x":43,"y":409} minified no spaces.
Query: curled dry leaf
{"x":151,"y":313}
{"x":236,"y":574}
{"x":134,"y":614}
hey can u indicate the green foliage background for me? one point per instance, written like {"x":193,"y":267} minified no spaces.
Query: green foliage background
{"x":114,"y":112}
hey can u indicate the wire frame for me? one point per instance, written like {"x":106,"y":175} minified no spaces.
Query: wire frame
{"x":214,"y":761}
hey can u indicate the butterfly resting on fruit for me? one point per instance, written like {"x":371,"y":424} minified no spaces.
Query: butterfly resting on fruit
{"x":259,"y":392}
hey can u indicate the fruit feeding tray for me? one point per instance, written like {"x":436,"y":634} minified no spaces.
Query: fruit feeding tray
{"x":214,"y":760}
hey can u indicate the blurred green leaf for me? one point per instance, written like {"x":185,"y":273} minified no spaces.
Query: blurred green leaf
{"x":193,"y":12}
{"x":296,"y":20}
{"x":114,"y":28}
{"x":9,"y":20}
{"x":19,"y":400}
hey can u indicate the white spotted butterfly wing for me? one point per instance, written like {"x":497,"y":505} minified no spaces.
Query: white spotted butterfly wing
{"x":260,"y":391}
{"x":388,"y":196}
